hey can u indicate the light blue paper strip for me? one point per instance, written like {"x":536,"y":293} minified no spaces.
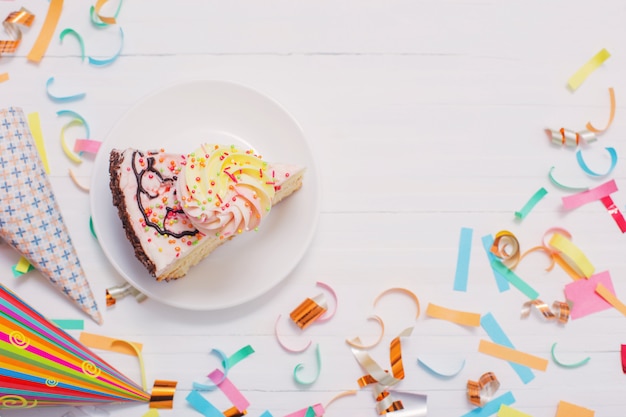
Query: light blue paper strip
{"x":266,"y":414}
{"x":588,"y":171}
{"x":497,"y":335}
{"x":61,"y":98}
{"x":492,"y":406}
{"x":108,"y":61}
{"x":503,"y":284}
{"x":463,"y":259}
{"x":515,"y":280}
{"x":202,"y":405}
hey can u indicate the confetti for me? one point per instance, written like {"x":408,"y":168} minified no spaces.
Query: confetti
{"x":512,"y":355}
{"x":356,"y":342}
{"x":308,"y":311}
{"x":569,"y":137}
{"x":623,"y":357}
{"x":229,"y":390}
{"x":108,"y":61}
{"x":47,"y":30}
{"x":496,"y":334}
{"x":563,"y":186}
{"x":98,"y":20}
{"x":565,"y":409}
{"x":69,"y":324}
{"x":506,"y":411}
{"x":506,"y":247}
{"x":610,"y":298}
{"x":590,"y":66}
{"x":515,"y":280}
{"x":81,"y":44}
{"x":75,"y":180}
{"x":567,"y":365}
{"x":317,"y":372}
{"x":560,"y":310}
{"x":202,"y":405}
{"x":539,"y":194}
{"x":97,"y":341}
{"x":482,"y":391}
{"x":282,"y":344}
{"x":427,"y":364}
{"x":455,"y":316}
{"x":571,"y":254}
{"x":328,"y":314}
{"x":206,"y":387}
{"x":463,"y":259}
{"x":611,"y":115}
{"x":12,"y":25}
{"x":402,"y":291}
{"x":581,"y":294}
{"x":501,"y":282}
{"x":492,"y":406}
{"x":87,"y":145}
{"x":62,"y":99}
{"x":162,"y":395}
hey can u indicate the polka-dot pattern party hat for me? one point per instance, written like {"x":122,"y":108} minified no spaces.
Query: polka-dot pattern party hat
{"x":30,"y":218}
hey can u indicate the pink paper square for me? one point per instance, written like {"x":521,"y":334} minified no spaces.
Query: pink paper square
{"x":582,"y":295}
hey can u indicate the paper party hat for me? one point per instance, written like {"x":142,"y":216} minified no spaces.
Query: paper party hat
{"x":30,"y":219}
{"x":42,"y":365}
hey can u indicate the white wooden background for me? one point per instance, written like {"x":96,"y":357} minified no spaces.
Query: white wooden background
{"x":424,"y":116}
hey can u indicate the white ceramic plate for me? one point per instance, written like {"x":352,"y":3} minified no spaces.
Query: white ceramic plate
{"x":178,"y":119}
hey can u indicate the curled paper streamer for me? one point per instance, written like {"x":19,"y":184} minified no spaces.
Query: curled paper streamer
{"x":308,"y":311}
{"x":282,"y":344}
{"x":237,"y":357}
{"x":437,"y":371}
{"x":107,"y":61}
{"x":512,"y":355}
{"x":611,"y":115}
{"x":590,"y":66}
{"x":570,"y":138}
{"x":12,"y":25}
{"x":206,"y":387}
{"x":572,"y":255}
{"x":162,"y":396}
{"x":328,"y":314}
{"x":501,"y":282}
{"x":299,"y":366}
{"x":47,"y":30}
{"x":120,"y":291}
{"x":339,"y":396}
{"x":137,"y":352}
{"x":403,"y":291}
{"x":506,"y":247}
{"x":53,"y":97}
{"x":603,"y":193}
{"x":560,"y":310}
{"x":356,"y":342}
{"x":588,"y":171}
{"x":229,"y":390}
{"x":75,"y":180}
{"x":375,"y":373}
{"x":559,"y":184}
{"x":455,"y":316}
{"x":515,"y":280}
{"x":543,"y":249}
{"x":98,"y":20}
{"x":106,"y":343}
{"x":567,"y":365}
{"x":482,"y":391}
{"x":539,"y":194}
{"x":70,"y":31}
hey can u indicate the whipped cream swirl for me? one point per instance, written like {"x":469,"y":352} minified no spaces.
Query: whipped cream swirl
{"x":224,"y":190}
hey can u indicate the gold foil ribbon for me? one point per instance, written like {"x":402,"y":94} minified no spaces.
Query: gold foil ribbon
{"x":22,"y":17}
{"x":560,"y":310}
{"x":120,"y":291}
{"x":162,"y":395}
{"x":570,"y":138}
{"x":506,"y":247}
{"x":234,"y":412}
{"x":308,"y":311}
{"x":375,"y":373}
{"x":480,"y":392}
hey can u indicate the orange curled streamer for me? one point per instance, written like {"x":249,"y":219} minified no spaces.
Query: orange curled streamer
{"x":611,"y":116}
{"x":162,"y":395}
{"x":22,"y":17}
{"x":47,"y":30}
{"x":308,"y":311}
{"x":481,"y":392}
{"x":106,"y":19}
{"x":356,"y":342}
{"x":506,"y":247}
{"x":547,"y":251}
{"x":560,"y":310}
{"x":404,"y":291}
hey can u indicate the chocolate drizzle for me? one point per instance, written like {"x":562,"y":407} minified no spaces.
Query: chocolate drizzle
{"x":141,"y":191}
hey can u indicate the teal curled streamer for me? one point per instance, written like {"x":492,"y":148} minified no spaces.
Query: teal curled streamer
{"x":588,"y":171}
{"x":61,"y":98}
{"x":563,"y":186}
{"x":70,"y":31}
{"x":301,"y":365}
{"x":107,"y":61}
{"x":237,"y":357}
{"x":75,"y":115}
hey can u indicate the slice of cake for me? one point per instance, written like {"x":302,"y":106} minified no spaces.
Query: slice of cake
{"x":176,"y":209}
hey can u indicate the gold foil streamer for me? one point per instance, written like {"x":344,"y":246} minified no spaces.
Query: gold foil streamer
{"x":308,"y":311}
{"x":481,"y":392}
{"x":120,"y":291}
{"x":560,"y":310}
{"x":162,"y":395}
{"x":234,"y":412}
{"x":570,"y":138}
{"x":22,"y":17}
{"x":506,"y":247}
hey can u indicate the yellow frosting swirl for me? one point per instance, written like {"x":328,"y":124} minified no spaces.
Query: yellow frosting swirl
{"x":224,"y":190}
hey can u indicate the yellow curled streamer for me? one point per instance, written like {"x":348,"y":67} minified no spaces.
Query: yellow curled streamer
{"x":66,"y":149}
{"x":560,"y":310}
{"x":611,"y":115}
{"x":404,"y":291}
{"x":139,"y":355}
{"x":573,"y":256}
{"x":481,"y":392}
{"x":506,"y":247}
{"x":356,"y":342}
